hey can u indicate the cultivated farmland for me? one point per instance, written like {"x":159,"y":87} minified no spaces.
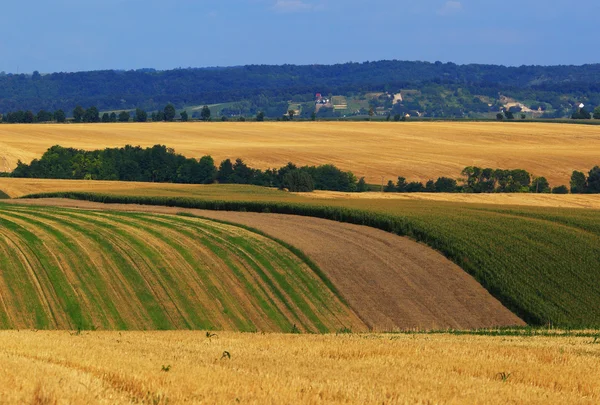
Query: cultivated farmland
{"x":188,"y":367}
{"x":415,"y":150}
{"x":16,"y":188}
{"x":67,"y":269}
{"x":541,"y":263}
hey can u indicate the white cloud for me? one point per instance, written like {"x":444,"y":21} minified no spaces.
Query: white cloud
{"x":450,"y":7}
{"x":294,"y":6}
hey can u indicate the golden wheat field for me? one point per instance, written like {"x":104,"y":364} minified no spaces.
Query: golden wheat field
{"x":20,"y":187}
{"x":415,"y":150}
{"x":177,"y":367}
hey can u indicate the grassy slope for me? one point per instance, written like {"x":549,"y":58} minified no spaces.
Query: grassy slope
{"x":542,"y":263}
{"x":65,"y":269}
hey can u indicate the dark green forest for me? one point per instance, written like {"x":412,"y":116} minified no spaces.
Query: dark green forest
{"x":446,"y":89}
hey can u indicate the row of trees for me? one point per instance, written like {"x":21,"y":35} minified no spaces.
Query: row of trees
{"x":92,"y":114}
{"x":480,"y":180}
{"x":162,"y":164}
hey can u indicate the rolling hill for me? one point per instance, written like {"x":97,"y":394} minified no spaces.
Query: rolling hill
{"x":68,"y":269}
{"x":417,"y":150}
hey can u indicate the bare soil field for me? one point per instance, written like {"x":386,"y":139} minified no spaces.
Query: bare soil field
{"x":391,"y":282}
{"x":15,"y":188}
{"x":415,"y":150}
{"x":187,"y":367}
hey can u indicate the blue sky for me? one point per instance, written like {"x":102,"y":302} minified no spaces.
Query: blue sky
{"x":74,"y":35}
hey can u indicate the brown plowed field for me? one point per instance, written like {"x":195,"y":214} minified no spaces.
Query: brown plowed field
{"x":391,"y":282}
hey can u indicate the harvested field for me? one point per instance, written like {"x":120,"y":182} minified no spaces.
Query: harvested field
{"x":75,"y":269}
{"x":390,"y":282}
{"x":415,"y":150}
{"x":121,"y":368}
{"x":15,"y":188}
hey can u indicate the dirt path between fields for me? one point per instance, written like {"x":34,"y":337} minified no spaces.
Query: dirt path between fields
{"x":391,"y":282}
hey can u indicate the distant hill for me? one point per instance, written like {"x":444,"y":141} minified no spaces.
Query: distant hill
{"x":555,"y":89}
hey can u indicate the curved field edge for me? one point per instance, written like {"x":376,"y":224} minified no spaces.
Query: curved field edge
{"x":73,"y":269}
{"x":528,"y":263}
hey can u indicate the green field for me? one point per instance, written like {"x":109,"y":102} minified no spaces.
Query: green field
{"x":73,"y":269}
{"x":542,"y":263}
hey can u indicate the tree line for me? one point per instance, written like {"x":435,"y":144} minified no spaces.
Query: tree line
{"x":92,"y":115}
{"x":162,"y":164}
{"x":487,"y":180}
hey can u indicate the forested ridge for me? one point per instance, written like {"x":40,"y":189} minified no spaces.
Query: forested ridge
{"x":264,"y":86}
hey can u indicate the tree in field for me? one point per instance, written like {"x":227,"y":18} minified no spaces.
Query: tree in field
{"x":397,"y":117}
{"x":499,"y":116}
{"x":28,"y":117}
{"x":169,"y":113}
{"x":593,"y":182}
{"x":445,"y":185}
{"x":60,"y":116}
{"x":430,"y":186}
{"x":91,"y":115}
{"x":78,"y":113}
{"x":205,"y":113}
{"x":581,"y":114}
{"x":401,"y":185}
{"x":362,"y":186}
{"x":539,"y":185}
{"x":113,"y":117}
{"x":260,"y":116}
{"x":141,"y":115}
{"x":597,"y":113}
{"x":106,"y":117}
{"x":578,"y":183}
{"x":560,"y":190}
{"x":509,"y":115}
{"x":291,"y":114}
{"x":298,"y":181}
{"x":523,"y":116}
{"x":225,"y":174}
{"x":184,"y":116}
{"x":44,"y":116}
{"x":389,"y":188}
{"x":124,"y":116}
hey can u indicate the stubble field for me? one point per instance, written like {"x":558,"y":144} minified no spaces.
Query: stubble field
{"x":188,"y":367}
{"x":415,"y":150}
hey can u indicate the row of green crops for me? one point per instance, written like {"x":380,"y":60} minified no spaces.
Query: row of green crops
{"x":542,"y":263}
{"x":69,"y":269}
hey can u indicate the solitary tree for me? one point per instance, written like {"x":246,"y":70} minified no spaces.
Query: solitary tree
{"x":205,"y":113}
{"x":169,"y":113}
{"x":260,"y":116}
{"x":106,"y":117}
{"x":291,"y":114}
{"x":499,"y":116}
{"x":124,"y":116}
{"x":184,"y":116}
{"x":113,"y":117}
{"x":593,"y":182}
